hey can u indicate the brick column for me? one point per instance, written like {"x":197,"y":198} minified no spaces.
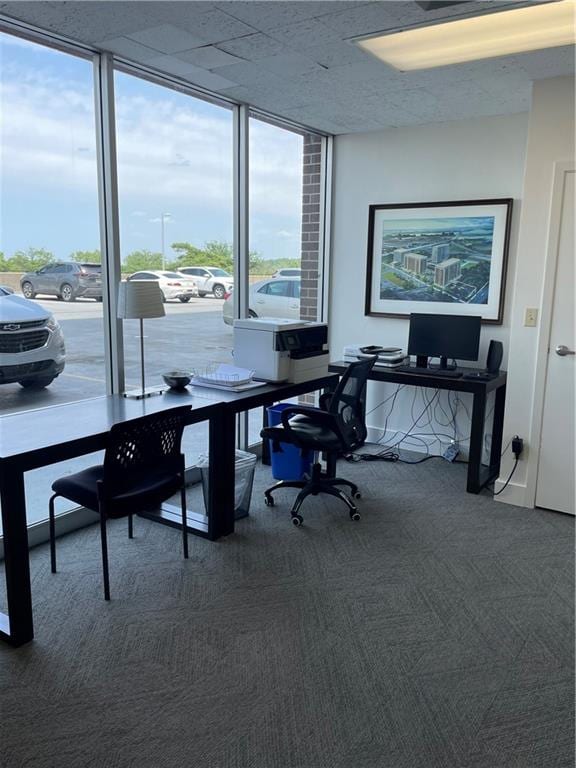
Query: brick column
{"x":310,"y":226}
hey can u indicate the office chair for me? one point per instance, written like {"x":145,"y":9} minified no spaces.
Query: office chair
{"x":143,"y":466}
{"x":337,"y":426}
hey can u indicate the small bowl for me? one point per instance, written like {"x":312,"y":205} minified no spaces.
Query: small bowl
{"x":177,"y":379}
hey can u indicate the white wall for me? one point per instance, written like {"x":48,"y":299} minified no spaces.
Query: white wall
{"x":550,"y":140}
{"x":460,"y":160}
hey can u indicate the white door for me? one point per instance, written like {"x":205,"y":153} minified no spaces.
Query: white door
{"x":556,"y":467}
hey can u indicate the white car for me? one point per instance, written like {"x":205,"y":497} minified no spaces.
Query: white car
{"x":277,"y":297}
{"x":32,"y":350}
{"x":172,"y":284}
{"x":210,"y":280}
{"x":288,"y":272}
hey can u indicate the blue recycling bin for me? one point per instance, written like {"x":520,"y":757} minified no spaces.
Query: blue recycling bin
{"x":291,"y":463}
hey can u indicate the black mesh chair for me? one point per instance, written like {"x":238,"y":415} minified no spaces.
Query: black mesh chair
{"x":143,"y":466}
{"x":337,"y":426}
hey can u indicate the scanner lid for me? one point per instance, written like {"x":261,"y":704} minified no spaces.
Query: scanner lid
{"x":275,"y":324}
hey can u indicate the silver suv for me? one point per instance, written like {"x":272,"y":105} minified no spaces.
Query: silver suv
{"x":212,"y":280}
{"x":65,"y":279}
{"x":32,"y":350}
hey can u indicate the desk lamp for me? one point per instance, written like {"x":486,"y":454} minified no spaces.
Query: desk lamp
{"x":138,"y":300}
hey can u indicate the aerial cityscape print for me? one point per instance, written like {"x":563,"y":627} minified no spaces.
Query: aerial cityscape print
{"x":437,"y":259}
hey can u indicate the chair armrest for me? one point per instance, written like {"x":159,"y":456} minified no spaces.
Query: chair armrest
{"x":323,"y":418}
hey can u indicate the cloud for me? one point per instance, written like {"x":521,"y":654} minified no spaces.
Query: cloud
{"x":174,"y":152}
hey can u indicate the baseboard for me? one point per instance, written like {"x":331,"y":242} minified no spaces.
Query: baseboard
{"x":515,"y":494}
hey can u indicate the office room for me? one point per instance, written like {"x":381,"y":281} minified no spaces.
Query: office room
{"x":287,"y":384}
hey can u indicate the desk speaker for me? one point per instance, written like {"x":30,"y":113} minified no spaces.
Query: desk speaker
{"x":494,"y":357}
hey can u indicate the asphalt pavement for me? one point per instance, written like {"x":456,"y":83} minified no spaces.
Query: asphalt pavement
{"x":190,"y":336}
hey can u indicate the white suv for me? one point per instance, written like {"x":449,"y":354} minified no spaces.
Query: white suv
{"x":210,"y":280}
{"x":32,"y":350}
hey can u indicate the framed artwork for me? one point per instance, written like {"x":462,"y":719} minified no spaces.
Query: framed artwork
{"x":447,"y":257}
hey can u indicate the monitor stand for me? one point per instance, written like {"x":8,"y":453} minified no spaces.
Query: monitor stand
{"x":444,"y":365}
{"x":421,"y":361}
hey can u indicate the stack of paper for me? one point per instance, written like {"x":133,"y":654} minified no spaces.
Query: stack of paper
{"x":229,"y":376}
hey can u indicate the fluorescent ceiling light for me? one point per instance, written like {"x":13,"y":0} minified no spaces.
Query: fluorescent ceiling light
{"x":481,"y":37}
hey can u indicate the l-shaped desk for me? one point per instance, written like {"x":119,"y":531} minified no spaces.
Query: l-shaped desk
{"x":64,"y":432}
{"x":478,"y":475}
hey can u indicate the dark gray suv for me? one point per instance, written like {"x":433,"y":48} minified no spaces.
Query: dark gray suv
{"x":65,"y":279}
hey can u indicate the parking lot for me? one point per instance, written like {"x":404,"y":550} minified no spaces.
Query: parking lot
{"x":191,"y":335}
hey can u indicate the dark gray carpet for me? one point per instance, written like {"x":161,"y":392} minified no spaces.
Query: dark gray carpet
{"x":435,"y":633}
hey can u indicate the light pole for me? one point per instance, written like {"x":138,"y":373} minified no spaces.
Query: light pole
{"x":163,"y":217}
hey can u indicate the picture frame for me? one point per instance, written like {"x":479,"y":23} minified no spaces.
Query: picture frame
{"x":447,"y":257}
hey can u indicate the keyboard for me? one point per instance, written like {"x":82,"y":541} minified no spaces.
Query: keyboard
{"x":444,"y":373}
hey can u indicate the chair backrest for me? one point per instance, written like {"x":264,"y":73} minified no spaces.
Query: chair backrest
{"x":148,"y":443}
{"x":348,"y":401}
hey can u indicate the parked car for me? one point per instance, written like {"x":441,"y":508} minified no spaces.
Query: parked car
{"x":65,"y":279}
{"x":288,"y":272}
{"x":172,"y":284}
{"x":32,"y":350}
{"x":268,"y":298}
{"x":210,"y":280}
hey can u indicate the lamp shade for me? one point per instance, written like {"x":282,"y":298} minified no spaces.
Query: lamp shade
{"x":140,"y":299}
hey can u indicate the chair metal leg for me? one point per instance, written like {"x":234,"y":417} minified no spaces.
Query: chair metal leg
{"x":340,"y":481}
{"x":184,"y":520}
{"x":104,"y":543}
{"x":52,"y":527}
{"x":130,"y":526}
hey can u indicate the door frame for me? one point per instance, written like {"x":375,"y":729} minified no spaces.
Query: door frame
{"x":561,"y":170}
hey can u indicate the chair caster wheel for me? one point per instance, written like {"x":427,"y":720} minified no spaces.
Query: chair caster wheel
{"x":357,"y":495}
{"x":269,"y":501}
{"x":355,"y":516}
{"x":297,"y":520}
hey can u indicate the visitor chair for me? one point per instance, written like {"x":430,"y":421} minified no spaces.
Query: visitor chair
{"x":143,"y":466}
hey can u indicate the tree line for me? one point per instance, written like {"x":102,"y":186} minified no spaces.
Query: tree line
{"x":214,"y":253}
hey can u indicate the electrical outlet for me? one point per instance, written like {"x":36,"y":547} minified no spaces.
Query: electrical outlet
{"x":530,"y":317}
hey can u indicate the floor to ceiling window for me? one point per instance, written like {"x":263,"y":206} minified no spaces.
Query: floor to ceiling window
{"x":49,"y":238}
{"x":284,"y":226}
{"x":175,"y":167}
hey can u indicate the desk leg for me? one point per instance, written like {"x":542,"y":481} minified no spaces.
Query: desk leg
{"x":222,"y":447}
{"x":474,"y":483}
{"x":497,"y":431}
{"x":16,"y":628}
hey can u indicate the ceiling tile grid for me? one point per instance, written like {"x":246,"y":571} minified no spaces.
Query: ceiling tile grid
{"x":297,"y":59}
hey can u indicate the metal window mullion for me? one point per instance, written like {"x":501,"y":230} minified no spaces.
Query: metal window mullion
{"x":109,"y":219}
{"x":325,"y":228}
{"x":241,"y":233}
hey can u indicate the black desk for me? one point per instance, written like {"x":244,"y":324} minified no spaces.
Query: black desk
{"x":63,"y":432}
{"x":478,"y":475}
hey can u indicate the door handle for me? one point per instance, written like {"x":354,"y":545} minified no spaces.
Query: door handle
{"x":563,"y":350}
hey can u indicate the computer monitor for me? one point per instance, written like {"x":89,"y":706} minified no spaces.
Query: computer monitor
{"x":443,"y":336}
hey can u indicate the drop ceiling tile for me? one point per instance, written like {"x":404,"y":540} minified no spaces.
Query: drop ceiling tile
{"x":210,"y":80}
{"x":173,"y":66}
{"x":209,"y":57}
{"x":249,"y":72}
{"x":128,"y":49}
{"x":364,"y":20}
{"x":253,"y":47}
{"x":553,"y":62}
{"x":202,"y":19}
{"x":287,"y":65}
{"x":167,"y":38}
{"x":305,"y":34}
{"x":268,"y":15}
{"x":337,"y":54}
{"x":83,"y":21}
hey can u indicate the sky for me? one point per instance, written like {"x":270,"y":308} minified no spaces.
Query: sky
{"x":174,"y":163}
{"x":440,"y":224}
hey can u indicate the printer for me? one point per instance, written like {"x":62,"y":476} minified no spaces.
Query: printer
{"x":281,"y":350}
